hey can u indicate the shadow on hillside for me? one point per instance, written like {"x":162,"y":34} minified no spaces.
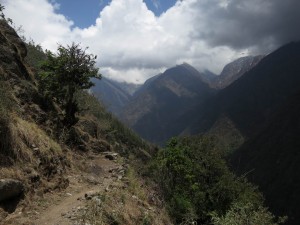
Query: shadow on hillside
{"x":10,"y":205}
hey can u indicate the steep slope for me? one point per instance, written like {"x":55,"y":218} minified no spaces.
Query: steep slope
{"x":271,"y":160}
{"x":47,"y":169}
{"x":155,"y":108}
{"x":250,"y":101}
{"x":110,"y":94}
{"x":234,"y":70}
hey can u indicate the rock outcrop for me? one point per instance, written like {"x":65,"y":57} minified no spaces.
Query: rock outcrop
{"x":10,"y":188}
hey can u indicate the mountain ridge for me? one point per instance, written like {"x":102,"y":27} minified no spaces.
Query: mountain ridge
{"x":164,"y":98}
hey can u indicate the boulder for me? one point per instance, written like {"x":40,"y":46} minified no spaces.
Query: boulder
{"x":10,"y":188}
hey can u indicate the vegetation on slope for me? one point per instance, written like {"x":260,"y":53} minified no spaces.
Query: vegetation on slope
{"x":199,"y":187}
{"x":272,"y":156}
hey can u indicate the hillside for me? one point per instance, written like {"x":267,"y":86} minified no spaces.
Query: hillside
{"x":57,"y":174}
{"x":261,"y":106}
{"x":155,"y":108}
{"x":270,"y":159}
{"x":250,"y":101}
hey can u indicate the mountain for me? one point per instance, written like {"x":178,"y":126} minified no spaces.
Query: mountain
{"x":271,"y":160}
{"x":264,"y":107}
{"x":112,"y":94}
{"x":234,"y":70}
{"x":250,"y":101}
{"x":155,"y":108}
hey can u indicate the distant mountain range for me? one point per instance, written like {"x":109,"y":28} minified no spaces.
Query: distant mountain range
{"x":155,"y":108}
{"x":165,"y":104}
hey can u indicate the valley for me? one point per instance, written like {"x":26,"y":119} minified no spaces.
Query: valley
{"x":250,"y":109}
{"x":79,"y":146}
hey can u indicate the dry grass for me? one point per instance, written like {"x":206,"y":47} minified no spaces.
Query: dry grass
{"x":134,"y":184}
{"x":14,"y":173}
{"x":125,"y":203}
{"x":27,"y":136}
{"x":119,"y":206}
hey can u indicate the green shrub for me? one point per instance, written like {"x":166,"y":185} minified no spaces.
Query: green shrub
{"x":246,"y":214}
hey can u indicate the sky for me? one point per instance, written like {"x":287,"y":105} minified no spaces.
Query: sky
{"x":135,"y":39}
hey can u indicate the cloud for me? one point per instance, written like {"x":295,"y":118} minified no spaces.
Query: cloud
{"x":133,"y":44}
{"x":260,"y":25}
{"x":40,"y":21}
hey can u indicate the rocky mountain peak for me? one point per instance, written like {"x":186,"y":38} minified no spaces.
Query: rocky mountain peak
{"x":234,"y":70}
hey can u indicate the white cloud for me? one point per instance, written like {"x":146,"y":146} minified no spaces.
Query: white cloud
{"x":133,"y":44}
{"x":40,"y":21}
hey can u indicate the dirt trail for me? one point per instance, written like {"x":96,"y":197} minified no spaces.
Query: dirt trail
{"x":65,"y":205}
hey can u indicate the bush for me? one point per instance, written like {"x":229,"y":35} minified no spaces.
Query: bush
{"x":246,"y":214}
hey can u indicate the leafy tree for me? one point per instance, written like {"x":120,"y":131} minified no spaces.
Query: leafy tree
{"x":66,"y":72}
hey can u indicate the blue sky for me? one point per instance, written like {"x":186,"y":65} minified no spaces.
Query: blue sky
{"x":137,"y":39}
{"x":85,"y":12}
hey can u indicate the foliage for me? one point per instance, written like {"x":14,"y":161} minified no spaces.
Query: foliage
{"x":1,"y":11}
{"x":2,"y":15}
{"x":197,"y":182}
{"x":246,"y":214}
{"x":64,"y":74}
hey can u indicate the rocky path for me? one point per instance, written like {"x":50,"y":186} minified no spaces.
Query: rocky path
{"x":67,"y":206}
